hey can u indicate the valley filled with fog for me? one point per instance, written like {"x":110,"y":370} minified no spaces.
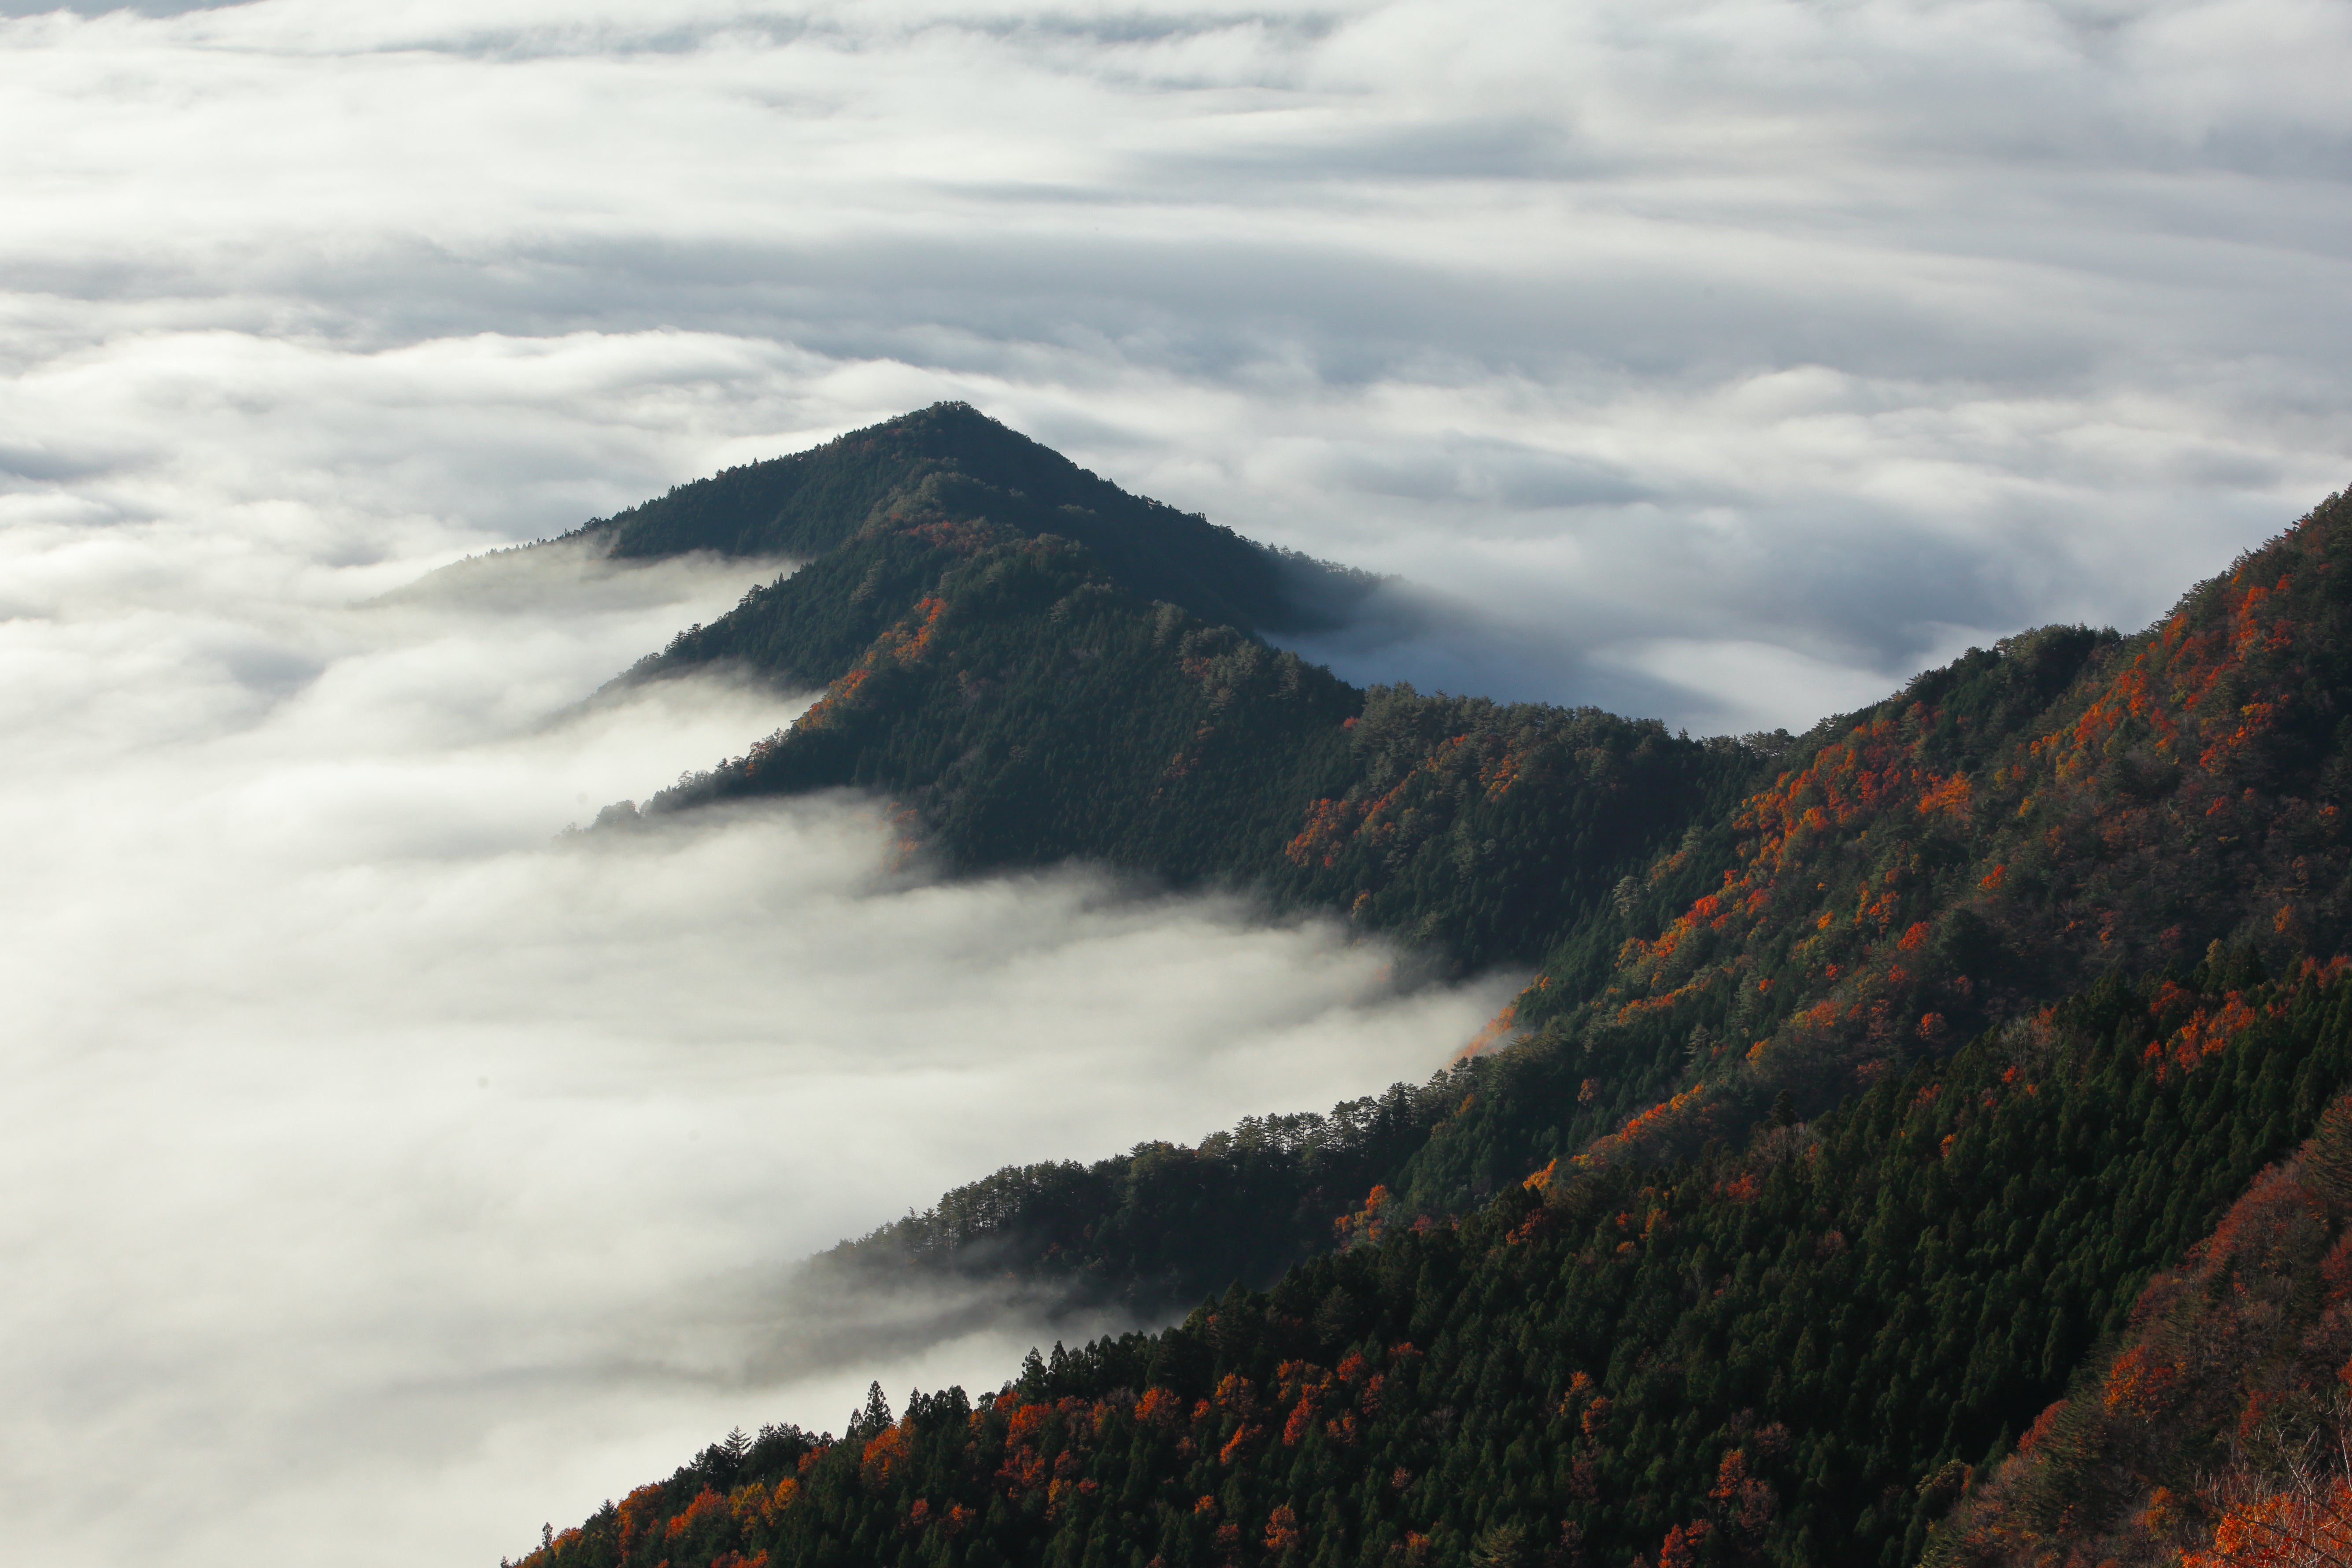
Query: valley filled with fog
{"x":367,"y":1143}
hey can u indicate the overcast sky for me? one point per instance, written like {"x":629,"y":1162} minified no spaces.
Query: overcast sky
{"x":1726,"y":361}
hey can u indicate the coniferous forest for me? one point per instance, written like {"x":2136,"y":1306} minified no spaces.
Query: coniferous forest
{"x":1923,"y":1140}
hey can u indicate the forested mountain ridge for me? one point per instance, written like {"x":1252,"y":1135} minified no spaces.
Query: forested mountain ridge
{"x":1831,"y":909}
{"x":1032,"y":703}
{"x":2112,"y":863}
{"x":949,"y":464}
{"x":1031,"y":708}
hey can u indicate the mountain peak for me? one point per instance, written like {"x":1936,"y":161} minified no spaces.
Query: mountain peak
{"x":809,"y":504}
{"x":984,"y":448}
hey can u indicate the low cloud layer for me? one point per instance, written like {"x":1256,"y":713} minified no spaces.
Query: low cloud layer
{"x":387,"y":1175}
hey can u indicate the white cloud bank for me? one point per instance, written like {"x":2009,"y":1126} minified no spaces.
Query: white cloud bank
{"x":384,"y":1177}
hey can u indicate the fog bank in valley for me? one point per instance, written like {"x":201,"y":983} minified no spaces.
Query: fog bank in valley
{"x":385,"y":1173}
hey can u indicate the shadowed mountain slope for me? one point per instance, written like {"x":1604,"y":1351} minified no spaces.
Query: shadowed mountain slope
{"x":1865,"y":1077}
{"x":1030,"y":707}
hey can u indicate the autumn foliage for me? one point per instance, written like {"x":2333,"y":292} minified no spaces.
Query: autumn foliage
{"x":2065,"y":805}
{"x":1704,"y":1364}
{"x":2216,"y":1434}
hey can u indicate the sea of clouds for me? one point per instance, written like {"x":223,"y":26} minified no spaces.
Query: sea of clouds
{"x":1721,"y":359}
{"x":385,"y":1175}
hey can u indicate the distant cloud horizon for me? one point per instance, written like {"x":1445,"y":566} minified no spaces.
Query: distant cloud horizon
{"x":1734,"y":360}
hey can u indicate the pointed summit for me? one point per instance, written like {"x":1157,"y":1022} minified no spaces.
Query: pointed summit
{"x":957,"y":465}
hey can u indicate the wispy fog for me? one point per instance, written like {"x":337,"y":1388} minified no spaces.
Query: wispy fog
{"x":383,"y":1176}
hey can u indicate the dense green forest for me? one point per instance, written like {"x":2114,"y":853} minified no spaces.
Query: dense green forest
{"x":1844,"y":1120}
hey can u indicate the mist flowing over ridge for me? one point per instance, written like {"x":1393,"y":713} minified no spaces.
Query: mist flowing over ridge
{"x":1726,"y":361}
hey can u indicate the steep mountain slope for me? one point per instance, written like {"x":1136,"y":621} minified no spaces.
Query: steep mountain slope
{"x":2215,"y":1431}
{"x":1030,"y":707}
{"x":1995,"y":835}
{"x":2066,"y":805}
{"x":1031,"y":703}
{"x":2113,"y":864}
{"x":948,"y":463}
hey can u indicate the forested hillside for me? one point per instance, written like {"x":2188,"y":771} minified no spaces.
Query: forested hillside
{"x":1864,"y":1078}
{"x":1031,"y":708}
{"x":1796,"y":1352}
{"x":2216,"y":1429}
